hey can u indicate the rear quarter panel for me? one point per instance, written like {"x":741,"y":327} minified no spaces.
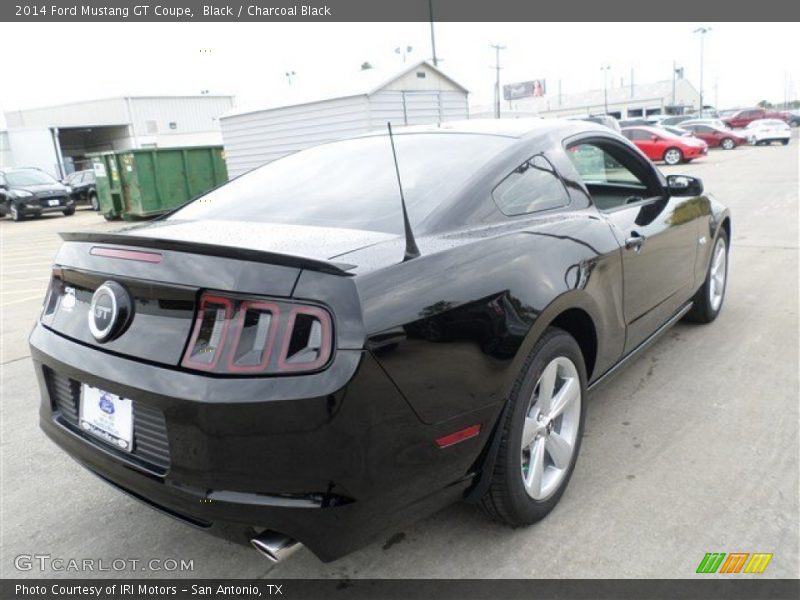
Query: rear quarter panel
{"x":452,"y":327}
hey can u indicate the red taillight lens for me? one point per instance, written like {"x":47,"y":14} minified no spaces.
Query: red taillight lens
{"x":248,"y":336}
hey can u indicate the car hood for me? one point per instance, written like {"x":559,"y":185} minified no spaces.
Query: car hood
{"x":41,"y":188}
{"x":306,"y":241}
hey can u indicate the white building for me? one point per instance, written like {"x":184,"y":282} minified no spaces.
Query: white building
{"x":662,"y":97}
{"x":418,"y":94}
{"x":58,"y":138}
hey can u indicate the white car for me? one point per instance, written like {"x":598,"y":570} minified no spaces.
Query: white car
{"x":766,"y":131}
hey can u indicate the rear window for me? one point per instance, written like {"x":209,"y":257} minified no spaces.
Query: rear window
{"x":352,"y":183}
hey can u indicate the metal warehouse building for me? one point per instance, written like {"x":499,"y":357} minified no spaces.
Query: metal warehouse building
{"x":624,"y":102}
{"x":416,"y":95}
{"x":58,"y":138}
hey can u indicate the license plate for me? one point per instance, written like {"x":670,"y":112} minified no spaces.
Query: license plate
{"x":107,"y":416}
{"x":53,"y":202}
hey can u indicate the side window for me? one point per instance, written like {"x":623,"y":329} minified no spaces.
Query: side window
{"x":641,"y":135}
{"x":595,"y":165}
{"x":533,"y":186}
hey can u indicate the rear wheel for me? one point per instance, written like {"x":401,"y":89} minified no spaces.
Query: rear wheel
{"x":93,"y":201}
{"x":673,"y":156}
{"x":707,"y":302}
{"x":727,"y":144}
{"x":541,"y":435}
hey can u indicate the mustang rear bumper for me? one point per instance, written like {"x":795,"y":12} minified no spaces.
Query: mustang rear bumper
{"x":332,"y":459}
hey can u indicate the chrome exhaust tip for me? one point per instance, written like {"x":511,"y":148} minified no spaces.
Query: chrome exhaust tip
{"x":274,"y":546}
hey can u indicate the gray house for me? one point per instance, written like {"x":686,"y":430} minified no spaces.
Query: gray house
{"x":416,"y":95}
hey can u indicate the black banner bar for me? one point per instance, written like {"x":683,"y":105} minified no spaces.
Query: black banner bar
{"x":396,"y":10}
{"x":405,"y":589}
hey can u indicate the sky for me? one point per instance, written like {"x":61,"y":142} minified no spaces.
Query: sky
{"x":744,"y":63}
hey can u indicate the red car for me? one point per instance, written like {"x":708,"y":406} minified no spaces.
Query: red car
{"x":659,"y":144}
{"x":744,"y":117}
{"x":716,"y":137}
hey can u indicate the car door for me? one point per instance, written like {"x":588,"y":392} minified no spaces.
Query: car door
{"x":647,"y":143}
{"x":658,"y":234}
{"x":707,"y":134}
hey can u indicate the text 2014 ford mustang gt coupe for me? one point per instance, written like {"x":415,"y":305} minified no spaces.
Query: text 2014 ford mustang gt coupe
{"x":309,"y":355}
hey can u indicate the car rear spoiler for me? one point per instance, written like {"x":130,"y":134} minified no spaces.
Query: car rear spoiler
{"x":261,"y":256}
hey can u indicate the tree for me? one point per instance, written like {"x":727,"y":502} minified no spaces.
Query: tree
{"x":765,"y":104}
{"x":366,"y":65}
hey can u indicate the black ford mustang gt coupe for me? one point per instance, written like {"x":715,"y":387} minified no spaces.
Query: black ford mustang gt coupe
{"x":300,"y":357}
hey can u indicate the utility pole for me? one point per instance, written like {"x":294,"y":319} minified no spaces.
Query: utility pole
{"x":433,"y":37}
{"x":702,"y":31}
{"x":605,"y":69}
{"x":497,"y":48}
{"x":631,"y":82}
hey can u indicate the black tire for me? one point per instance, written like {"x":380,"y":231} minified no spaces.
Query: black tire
{"x":15,"y":213}
{"x":727,"y":144}
{"x":68,"y":212}
{"x":94,"y":202}
{"x":506,"y":500}
{"x":785,"y":142}
{"x":702,"y":310}
{"x":668,"y":156}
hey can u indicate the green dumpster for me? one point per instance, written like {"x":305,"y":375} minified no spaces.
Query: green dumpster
{"x":154,"y":181}
{"x":108,"y":184}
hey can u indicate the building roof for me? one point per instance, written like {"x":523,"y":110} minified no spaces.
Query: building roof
{"x":361,"y":83}
{"x":117,"y":98}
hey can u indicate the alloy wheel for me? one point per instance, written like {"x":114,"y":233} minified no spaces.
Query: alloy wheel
{"x":727,"y":144}
{"x":718,"y":275}
{"x":672,"y":157}
{"x":550,"y":433}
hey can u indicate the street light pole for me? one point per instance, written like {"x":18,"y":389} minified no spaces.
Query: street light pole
{"x":497,"y":48}
{"x":702,"y":31}
{"x":605,"y":69}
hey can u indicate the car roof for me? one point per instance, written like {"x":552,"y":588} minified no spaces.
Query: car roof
{"x":516,"y":128}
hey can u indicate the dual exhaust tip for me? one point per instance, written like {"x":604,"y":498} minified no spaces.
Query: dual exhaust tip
{"x":274,"y":546}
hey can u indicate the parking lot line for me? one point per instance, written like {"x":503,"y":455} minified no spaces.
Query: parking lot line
{"x":17,"y":301}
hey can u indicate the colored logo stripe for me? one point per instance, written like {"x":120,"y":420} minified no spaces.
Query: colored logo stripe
{"x":734,"y":562}
{"x":711,"y":562}
{"x":758,"y":562}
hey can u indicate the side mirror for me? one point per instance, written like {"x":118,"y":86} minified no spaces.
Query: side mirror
{"x":684,"y":185}
{"x":654,"y":138}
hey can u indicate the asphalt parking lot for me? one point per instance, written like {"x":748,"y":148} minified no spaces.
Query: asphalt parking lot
{"x":692,"y":449}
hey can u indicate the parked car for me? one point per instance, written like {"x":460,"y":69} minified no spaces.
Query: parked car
{"x":766,"y":131}
{"x":679,"y":131}
{"x":321,"y":370}
{"x":607,"y":120}
{"x":84,"y":187}
{"x":659,"y":144}
{"x":676,"y":119}
{"x":634,"y":122}
{"x":721,"y":137}
{"x":792,"y":117}
{"x":744,"y":117}
{"x":30,"y":192}
{"x":713,"y":122}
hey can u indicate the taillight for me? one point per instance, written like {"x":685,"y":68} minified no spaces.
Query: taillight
{"x":258,"y":336}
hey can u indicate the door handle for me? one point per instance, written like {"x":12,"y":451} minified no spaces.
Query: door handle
{"x":635,"y":242}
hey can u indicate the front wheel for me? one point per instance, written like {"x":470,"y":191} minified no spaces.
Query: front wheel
{"x":69,"y":211}
{"x":16,"y":213}
{"x":541,"y":434}
{"x":728,"y":144}
{"x":785,"y":142}
{"x":707,"y":302}
{"x":673,"y":156}
{"x":94,"y":202}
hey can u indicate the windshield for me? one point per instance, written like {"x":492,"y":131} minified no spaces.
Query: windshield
{"x":352,"y":183}
{"x":28,"y":177}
